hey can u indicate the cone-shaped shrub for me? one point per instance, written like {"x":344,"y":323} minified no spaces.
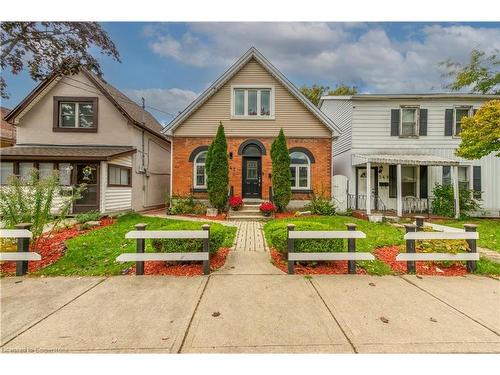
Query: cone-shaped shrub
{"x":217,"y":167}
{"x":282,"y":190}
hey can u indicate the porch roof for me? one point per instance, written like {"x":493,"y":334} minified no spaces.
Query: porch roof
{"x":66,"y":152}
{"x":402,"y":159}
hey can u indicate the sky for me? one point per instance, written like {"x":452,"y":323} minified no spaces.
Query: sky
{"x":170,"y":64}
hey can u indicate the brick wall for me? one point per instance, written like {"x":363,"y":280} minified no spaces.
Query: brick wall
{"x":182,"y":168}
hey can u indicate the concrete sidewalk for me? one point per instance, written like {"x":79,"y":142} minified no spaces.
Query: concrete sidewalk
{"x":251,"y":313}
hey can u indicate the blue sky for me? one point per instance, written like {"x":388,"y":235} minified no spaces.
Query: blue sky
{"x":171,"y":63}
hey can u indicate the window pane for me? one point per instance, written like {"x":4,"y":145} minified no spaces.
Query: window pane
{"x":409,"y":189}
{"x":200,"y":175}
{"x":293,"y":175}
{"x":68,"y":115}
{"x":265,"y":102}
{"x":298,"y":158}
{"x":409,"y":122}
{"x":202,"y":156}
{"x":64,"y":174}
{"x":462,"y":174}
{"x":85,"y":115}
{"x":252,"y":102}
{"x":45,"y":170}
{"x":251,"y":170}
{"x":124,"y":176}
{"x":24,"y":170}
{"x":6,"y":170}
{"x":239,"y":102}
{"x":303,"y":177}
{"x":460,"y":113}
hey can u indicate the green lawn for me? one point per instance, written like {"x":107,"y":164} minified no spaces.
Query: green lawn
{"x":94,"y":253}
{"x":489,"y":230}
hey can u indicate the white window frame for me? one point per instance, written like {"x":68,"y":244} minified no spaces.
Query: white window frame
{"x":417,"y":121}
{"x":245,"y":116}
{"x":195,"y":167}
{"x":297,"y":178}
{"x":468,"y":107}
{"x":77,"y":115}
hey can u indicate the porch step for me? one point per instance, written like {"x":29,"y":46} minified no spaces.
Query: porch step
{"x":248,"y":213}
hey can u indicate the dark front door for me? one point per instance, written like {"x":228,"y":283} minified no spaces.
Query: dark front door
{"x":88,"y":174}
{"x":252,"y":177}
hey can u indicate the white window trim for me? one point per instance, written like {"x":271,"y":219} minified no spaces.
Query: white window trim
{"x":77,"y":115}
{"x":296,"y":166}
{"x":195,"y":167}
{"x":245,"y":103}
{"x":469,"y":108}
{"x":417,"y":125}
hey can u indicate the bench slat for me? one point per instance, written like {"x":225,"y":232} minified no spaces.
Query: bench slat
{"x":330,"y":256}
{"x":441,"y":236}
{"x":436,"y":256}
{"x":15,"y":233}
{"x":170,"y":234}
{"x":317,"y":234}
{"x":6,"y":257}
{"x":140,"y":257}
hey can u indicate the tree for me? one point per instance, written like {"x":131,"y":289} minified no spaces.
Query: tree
{"x":480,"y":134}
{"x":315,"y":92}
{"x":280,"y":158}
{"x":52,"y":47}
{"x":480,"y":75}
{"x":218,"y":171}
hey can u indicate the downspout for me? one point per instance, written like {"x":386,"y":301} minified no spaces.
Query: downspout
{"x":143,"y":165}
{"x":331,"y":167}
{"x":171,"y":165}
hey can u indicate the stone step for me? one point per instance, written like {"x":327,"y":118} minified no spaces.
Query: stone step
{"x":245,"y":213}
{"x":248,"y":218}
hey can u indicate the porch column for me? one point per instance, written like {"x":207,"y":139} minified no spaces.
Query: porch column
{"x":368,"y":189}
{"x":454,"y":171}
{"x":399,"y":191}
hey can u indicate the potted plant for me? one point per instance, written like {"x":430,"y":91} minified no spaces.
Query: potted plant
{"x":267,"y":208}
{"x":235,"y":202}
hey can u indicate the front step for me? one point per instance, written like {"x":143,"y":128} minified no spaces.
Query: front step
{"x":249,"y":211}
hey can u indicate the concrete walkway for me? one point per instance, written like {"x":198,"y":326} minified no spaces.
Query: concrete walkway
{"x":236,"y":313}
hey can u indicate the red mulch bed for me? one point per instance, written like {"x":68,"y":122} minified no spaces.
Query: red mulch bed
{"x":51,"y":248}
{"x":217,"y":260}
{"x":321,"y":268}
{"x":388,"y":255}
{"x":220,"y":217}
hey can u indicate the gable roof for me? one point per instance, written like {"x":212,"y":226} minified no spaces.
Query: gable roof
{"x":128,"y":108}
{"x":252,"y":53}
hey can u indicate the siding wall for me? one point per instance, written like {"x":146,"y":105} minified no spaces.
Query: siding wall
{"x":115,"y":199}
{"x":340,"y":111}
{"x":290,"y":113}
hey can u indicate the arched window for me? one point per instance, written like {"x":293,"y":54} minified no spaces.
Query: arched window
{"x":199,"y":173}
{"x":300,"y":169}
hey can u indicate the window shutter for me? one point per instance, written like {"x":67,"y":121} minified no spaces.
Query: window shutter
{"x":476,"y":181}
{"x":423,"y":122}
{"x":392,"y":181}
{"x":446,"y":175}
{"x":474,"y":111}
{"x":394,"y":122}
{"x":423,"y":181}
{"x":448,"y":122}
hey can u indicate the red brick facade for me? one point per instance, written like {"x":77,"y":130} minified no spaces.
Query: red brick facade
{"x":182,"y":168}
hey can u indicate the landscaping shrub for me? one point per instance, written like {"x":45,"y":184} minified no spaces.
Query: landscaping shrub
{"x":186,"y":205}
{"x":277,"y":237}
{"x":443,"y":201}
{"x":282,"y":190}
{"x":88,"y":216}
{"x":319,"y":205}
{"x":218,"y":235}
{"x":218,"y":171}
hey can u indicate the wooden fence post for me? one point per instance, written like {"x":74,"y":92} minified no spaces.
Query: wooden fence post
{"x":419,"y":221}
{"x":23,"y":246}
{"x":410,"y":248}
{"x":351,"y":248}
{"x":141,"y":246}
{"x":290,"y":249}
{"x":471,"y":264}
{"x":206,"y":249}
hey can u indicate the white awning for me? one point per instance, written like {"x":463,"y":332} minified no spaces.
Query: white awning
{"x":402,"y":159}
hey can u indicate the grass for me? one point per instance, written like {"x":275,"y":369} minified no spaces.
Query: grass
{"x":487,"y":267}
{"x":94,"y":253}
{"x":489,"y":230}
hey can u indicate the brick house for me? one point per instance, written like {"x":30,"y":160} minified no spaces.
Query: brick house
{"x":7,"y":131}
{"x":253,"y":100}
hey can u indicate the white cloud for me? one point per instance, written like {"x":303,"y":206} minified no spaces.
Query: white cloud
{"x":360,"y":54}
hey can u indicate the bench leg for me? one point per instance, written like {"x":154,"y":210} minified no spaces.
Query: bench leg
{"x":139,"y":266}
{"x":22,"y":265}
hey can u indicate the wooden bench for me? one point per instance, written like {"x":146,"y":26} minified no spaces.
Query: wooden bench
{"x":141,"y":235}
{"x":411,"y":256}
{"x":23,"y":255}
{"x":351,"y":256}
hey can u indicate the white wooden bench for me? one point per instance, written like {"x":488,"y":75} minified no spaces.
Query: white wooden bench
{"x":411,"y":256}
{"x":140,"y":256}
{"x":351,"y":256}
{"x":23,"y":255}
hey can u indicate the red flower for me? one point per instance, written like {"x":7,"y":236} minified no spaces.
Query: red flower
{"x":235,"y":202}
{"x":267,"y":207}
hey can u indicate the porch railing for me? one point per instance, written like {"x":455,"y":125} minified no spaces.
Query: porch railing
{"x":411,"y":205}
{"x":358,"y":202}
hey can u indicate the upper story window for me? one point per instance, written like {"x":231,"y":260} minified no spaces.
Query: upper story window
{"x":458,"y":115}
{"x":253,"y":102}
{"x":75,"y":114}
{"x":408,"y":126}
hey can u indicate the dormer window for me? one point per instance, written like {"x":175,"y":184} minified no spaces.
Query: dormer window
{"x":75,"y":114}
{"x":252,"y":102}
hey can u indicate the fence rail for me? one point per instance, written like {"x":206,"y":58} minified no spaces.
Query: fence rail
{"x":23,"y":255}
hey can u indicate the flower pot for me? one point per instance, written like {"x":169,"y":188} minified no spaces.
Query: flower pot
{"x":267,"y":214}
{"x":236,"y":208}
{"x":211,"y":212}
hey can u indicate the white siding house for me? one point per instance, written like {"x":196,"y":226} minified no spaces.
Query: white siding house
{"x":415,"y":135}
